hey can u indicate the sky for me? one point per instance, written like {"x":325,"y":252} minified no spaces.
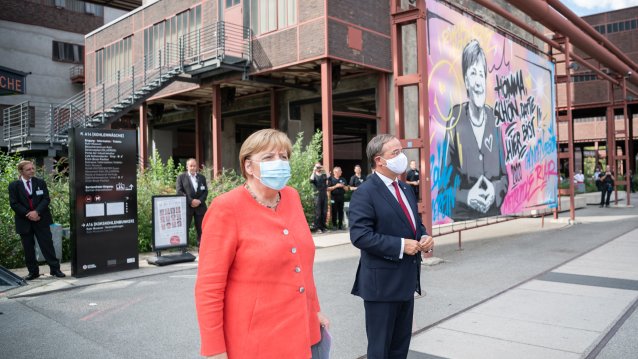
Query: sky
{"x":588,"y":7}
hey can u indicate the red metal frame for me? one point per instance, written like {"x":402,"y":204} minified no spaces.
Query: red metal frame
{"x":143,"y":136}
{"x":400,"y":18}
{"x":382,"y":108}
{"x":627,"y":152}
{"x":198,"y":135}
{"x":326,"y":112}
{"x":216,"y":125}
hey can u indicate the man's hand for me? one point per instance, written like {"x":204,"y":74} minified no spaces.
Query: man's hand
{"x":195,"y":203}
{"x":426,"y":243}
{"x":411,"y":247}
{"x":33,"y":216}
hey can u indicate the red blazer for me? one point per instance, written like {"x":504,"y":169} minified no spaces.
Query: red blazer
{"x":255,"y":292}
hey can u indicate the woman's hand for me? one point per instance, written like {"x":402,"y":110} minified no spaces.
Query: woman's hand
{"x":323,"y":320}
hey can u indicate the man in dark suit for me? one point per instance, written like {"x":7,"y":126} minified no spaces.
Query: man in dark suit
{"x":29,"y":199}
{"x":192,"y":184}
{"x":386,"y":227}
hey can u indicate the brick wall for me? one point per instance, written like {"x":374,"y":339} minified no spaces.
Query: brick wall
{"x":29,"y":13}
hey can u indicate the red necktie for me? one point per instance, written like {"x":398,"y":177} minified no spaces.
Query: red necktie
{"x":403,"y":207}
{"x":29,"y":194}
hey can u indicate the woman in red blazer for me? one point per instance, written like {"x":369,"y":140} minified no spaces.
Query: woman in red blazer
{"x":255,"y":292}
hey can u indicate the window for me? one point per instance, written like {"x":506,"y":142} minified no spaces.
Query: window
{"x":633,"y":24}
{"x":274,"y":14}
{"x":614,"y":27}
{"x":621,"y":26}
{"x":60,"y":3}
{"x":113,"y":59}
{"x":230,"y":3}
{"x":609,"y":28}
{"x":65,"y":52}
{"x":165,"y":37}
{"x":92,"y":9}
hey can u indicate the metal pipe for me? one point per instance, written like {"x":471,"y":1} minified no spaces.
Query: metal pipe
{"x":508,"y":16}
{"x":540,"y":11}
{"x":589,"y":30}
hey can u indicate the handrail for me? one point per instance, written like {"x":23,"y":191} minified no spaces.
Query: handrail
{"x":94,"y":106}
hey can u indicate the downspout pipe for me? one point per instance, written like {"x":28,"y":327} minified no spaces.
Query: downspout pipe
{"x":507,"y":15}
{"x":543,"y":13}
{"x":587,"y":28}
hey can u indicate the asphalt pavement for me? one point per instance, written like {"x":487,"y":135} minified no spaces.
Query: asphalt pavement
{"x":525,"y":288}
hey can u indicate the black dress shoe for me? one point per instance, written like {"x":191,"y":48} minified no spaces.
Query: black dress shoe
{"x":58,"y":273}
{"x":31,"y":276}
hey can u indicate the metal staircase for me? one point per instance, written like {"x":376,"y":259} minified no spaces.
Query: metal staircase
{"x":218,"y":48}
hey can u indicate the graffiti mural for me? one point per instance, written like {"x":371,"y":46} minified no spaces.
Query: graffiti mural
{"x":492,"y":125}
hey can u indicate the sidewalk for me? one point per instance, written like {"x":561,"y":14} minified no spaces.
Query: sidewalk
{"x":47,"y":283}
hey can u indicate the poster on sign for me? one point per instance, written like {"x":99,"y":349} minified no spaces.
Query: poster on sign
{"x":169,"y":222}
{"x":492,"y":121}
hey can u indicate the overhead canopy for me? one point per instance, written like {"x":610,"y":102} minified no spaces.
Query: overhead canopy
{"x":12,"y":82}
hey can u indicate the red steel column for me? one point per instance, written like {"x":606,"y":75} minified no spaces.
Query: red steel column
{"x":425,"y":207}
{"x":143,"y":136}
{"x":611,"y":137}
{"x":326,"y":113}
{"x":382,"y":106}
{"x":198,"y":136}
{"x":627,"y":139}
{"x":570,"y":129}
{"x":217,"y":131}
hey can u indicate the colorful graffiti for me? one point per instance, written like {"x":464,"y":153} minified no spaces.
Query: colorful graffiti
{"x":492,"y":123}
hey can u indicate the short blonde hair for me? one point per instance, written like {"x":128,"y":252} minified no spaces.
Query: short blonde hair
{"x":23,"y":163}
{"x":263,"y":140}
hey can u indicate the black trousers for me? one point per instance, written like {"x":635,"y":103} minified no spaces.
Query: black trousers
{"x":605,"y":191}
{"x":198,"y":224}
{"x":389,"y":329}
{"x":337,"y":212}
{"x":321,"y":210}
{"x":44,"y":238}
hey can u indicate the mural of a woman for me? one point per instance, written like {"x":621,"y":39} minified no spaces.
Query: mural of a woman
{"x":475,"y":145}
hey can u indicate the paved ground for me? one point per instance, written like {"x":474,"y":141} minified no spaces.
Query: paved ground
{"x":517,"y":289}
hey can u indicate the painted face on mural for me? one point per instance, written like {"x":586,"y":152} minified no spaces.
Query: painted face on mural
{"x":475,"y":83}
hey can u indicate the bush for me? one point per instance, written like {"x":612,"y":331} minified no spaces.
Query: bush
{"x":302,"y":162}
{"x":156,"y":180}
{"x":11,"y":254}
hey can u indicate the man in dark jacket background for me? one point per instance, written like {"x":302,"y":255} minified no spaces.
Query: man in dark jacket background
{"x":192,"y":184}
{"x":29,"y":199}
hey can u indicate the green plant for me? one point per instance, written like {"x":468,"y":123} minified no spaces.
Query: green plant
{"x":11,"y":254}
{"x":302,"y":161}
{"x":157,"y":179}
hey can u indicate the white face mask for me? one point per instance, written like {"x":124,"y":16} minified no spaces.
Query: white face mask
{"x":397,"y":164}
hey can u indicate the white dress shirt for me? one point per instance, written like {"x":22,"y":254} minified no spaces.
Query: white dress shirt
{"x":193,"y":179}
{"x":388,"y":184}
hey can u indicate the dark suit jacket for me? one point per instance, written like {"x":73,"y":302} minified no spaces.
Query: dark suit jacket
{"x":469,"y":161}
{"x":184,"y":187}
{"x":19,"y":202}
{"x":377,"y":224}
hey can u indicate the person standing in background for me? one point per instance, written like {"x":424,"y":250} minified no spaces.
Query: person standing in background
{"x":357,"y":179}
{"x":337,"y":188}
{"x":192,"y":184}
{"x":607,"y":183}
{"x":319,"y":180}
{"x":29,"y":199}
{"x":412,"y":178}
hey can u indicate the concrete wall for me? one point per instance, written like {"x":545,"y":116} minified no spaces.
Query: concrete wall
{"x":28,"y":48}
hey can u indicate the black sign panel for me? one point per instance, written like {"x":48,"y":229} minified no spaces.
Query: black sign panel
{"x":103,"y":190}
